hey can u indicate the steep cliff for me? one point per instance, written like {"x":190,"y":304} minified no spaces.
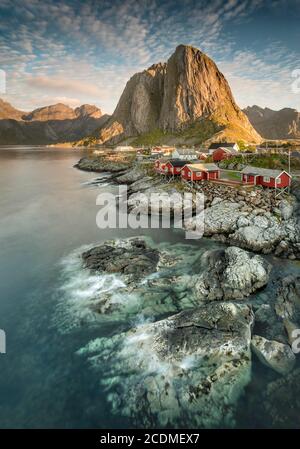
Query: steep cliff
{"x":187,"y":92}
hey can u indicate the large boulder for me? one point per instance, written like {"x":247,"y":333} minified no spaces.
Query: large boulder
{"x":95,"y":164}
{"x":280,"y":402}
{"x":221,"y":218}
{"x":188,"y":370}
{"x":131,"y":257}
{"x":258,"y":237}
{"x":130,"y":176}
{"x":231,"y":274}
{"x":273,"y":354}
{"x":288,"y":298}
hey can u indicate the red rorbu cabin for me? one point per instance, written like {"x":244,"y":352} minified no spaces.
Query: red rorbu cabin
{"x":202,"y":156}
{"x":160,"y":165}
{"x":200,"y":172}
{"x":169,"y":167}
{"x":175,"y":166}
{"x":222,"y":153}
{"x":266,"y":177}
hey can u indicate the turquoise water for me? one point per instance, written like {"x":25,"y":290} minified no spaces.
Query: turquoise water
{"x":48,"y":211}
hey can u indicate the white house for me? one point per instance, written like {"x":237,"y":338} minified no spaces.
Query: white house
{"x":229,"y":145}
{"x":185,"y":154}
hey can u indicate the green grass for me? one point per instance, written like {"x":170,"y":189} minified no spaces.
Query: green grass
{"x":273,"y":161}
{"x":154,"y":137}
{"x":231,"y":175}
{"x":198,"y":132}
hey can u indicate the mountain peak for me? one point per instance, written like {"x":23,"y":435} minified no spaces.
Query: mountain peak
{"x":175,"y":95}
{"x":7,"y":111}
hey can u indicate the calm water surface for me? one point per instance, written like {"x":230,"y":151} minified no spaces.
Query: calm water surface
{"x":48,"y":210}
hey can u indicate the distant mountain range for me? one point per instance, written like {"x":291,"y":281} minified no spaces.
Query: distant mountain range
{"x":283,"y":124}
{"x":48,"y":125}
{"x":185,"y":100}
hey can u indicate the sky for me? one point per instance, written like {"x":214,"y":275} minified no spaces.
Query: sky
{"x":77,"y":52}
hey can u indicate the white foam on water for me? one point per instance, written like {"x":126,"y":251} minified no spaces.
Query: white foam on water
{"x":80,"y":289}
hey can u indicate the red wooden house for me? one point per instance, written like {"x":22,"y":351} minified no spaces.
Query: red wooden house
{"x":266,"y":177}
{"x":175,"y":165}
{"x":169,"y":167}
{"x":160,"y":165}
{"x":203,"y":156}
{"x":222,"y":153}
{"x":200,"y":172}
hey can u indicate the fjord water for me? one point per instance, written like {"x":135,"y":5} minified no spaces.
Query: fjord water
{"x":47,"y":211}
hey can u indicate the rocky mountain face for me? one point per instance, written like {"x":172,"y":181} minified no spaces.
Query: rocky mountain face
{"x":186,"y":92}
{"x":283,"y":124}
{"x":46,"y":125}
{"x":7,"y":111}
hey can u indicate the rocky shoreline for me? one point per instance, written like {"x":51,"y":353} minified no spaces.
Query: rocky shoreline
{"x":254,"y":220}
{"x":209,"y":314}
{"x":193,"y":366}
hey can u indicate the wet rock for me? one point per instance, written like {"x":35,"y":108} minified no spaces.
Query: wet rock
{"x":130,"y":176}
{"x":287,"y":304}
{"x":187,"y":370}
{"x":273,"y":354}
{"x":257,"y":238}
{"x":231,"y":274}
{"x":268,"y":325}
{"x":281,"y":402}
{"x":130,"y":257}
{"x":100,"y":165}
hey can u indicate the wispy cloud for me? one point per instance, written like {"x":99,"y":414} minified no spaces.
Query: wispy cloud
{"x":87,"y":50}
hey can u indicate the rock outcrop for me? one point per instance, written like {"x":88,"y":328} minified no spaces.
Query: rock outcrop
{"x":187,"y":370}
{"x":101,"y":165}
{"x":131,"y":258}
{"x":188,"y":89}
{"x":281,"y":402}
{"x":231,"y":274}
{"x":274,"y":354}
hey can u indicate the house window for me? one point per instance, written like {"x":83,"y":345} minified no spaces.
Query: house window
{"x":189,"y":174}
{"x":198,"y":173}
{"x":266,"y":179}
{"x":278,"y":181}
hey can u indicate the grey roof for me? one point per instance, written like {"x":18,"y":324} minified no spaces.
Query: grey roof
{"x":178,"y":162}
{"x":216,"y":145}
{"x":184,"y":151}
{"x":261,"y":171}
{"x":203,"y":167}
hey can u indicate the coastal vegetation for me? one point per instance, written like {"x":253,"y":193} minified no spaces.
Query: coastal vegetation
{"x":273,"y":161}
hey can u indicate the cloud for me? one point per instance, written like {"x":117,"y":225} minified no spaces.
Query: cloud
{"x":64,"y":85}
{"x":87,"y":50}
